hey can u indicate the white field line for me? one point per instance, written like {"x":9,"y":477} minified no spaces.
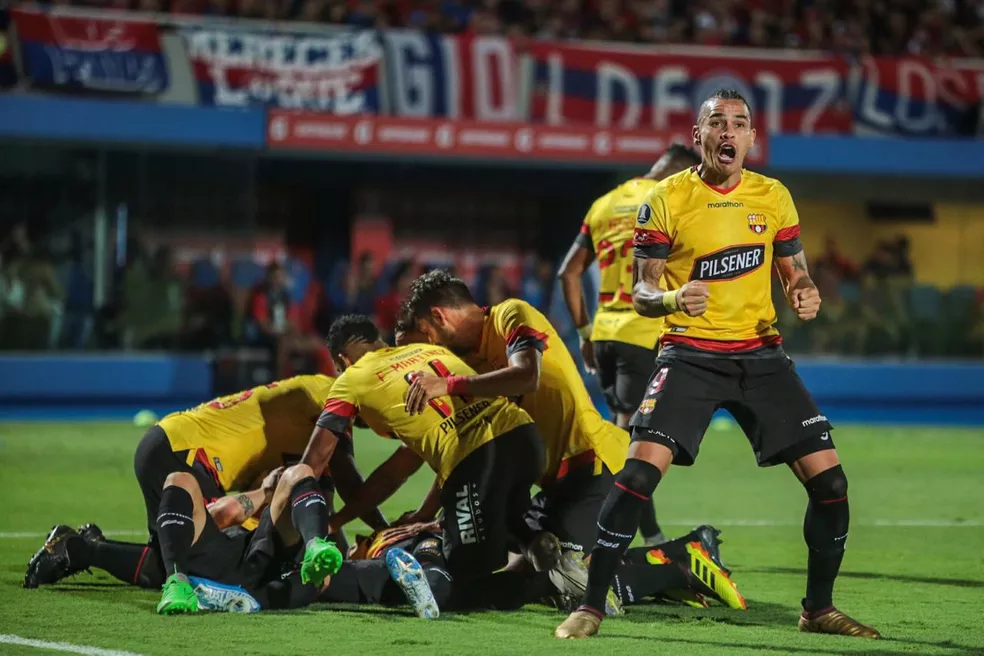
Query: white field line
{"x":764,"y":523}
{"x":62,"y":646}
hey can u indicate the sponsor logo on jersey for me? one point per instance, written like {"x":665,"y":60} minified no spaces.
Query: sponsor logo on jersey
{"x":756,"y":223}
{"x":814,"y":420}
{"x":644,"y":214}
{"x":728,"y":263}
{"x":725,"y":204}
{"x":218,"y":463}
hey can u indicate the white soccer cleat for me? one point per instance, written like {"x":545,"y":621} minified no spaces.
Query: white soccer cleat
{"x":407,"y":573}
{"x":223,"y":598}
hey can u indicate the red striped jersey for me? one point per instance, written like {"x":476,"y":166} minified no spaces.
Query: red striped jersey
{"x":608,"y":230}
{"x":573,"y":432}
{"x":375,"y":388}
{"x":727,"y":238}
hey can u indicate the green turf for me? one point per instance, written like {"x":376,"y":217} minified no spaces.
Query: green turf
{"x":922,"y":586}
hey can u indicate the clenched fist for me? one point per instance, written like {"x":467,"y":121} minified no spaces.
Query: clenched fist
{"x":806,"y":303}
{"x":692,"y":298}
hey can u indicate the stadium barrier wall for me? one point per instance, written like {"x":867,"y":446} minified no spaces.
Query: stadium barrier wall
{"x":115,"y":386}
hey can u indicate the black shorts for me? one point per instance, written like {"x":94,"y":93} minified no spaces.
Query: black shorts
{"x":624,"y":370}
{"x":238,"y":557}
{"x":764,"y":394}
{"x":569,"y":508}
{"x":154,"y":461}
{"x":485,"y":501}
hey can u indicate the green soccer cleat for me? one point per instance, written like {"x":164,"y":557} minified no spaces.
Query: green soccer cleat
{"x":178,"y":597}
{"x":321,"y":559}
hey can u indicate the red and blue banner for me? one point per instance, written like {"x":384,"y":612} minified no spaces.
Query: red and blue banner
{"x":95,"y":54}
{"x":917,"y":97}
{"x":334,"y":72}
{"x":630,"y":88}
{"x":443,"y":76}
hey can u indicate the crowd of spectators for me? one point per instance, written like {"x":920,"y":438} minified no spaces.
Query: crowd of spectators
{"x":880,"y":27}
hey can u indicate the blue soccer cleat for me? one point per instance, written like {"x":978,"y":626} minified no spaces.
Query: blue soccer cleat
{"x":223,"y":598}
{"x":409,"y":575}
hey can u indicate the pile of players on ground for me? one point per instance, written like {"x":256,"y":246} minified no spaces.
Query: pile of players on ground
{"x":494,"y":403}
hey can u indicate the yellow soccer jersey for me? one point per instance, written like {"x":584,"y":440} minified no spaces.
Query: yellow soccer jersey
{"x":727,"y":238}
{"x":376,"y":387}
{"x":608,"y":230}
{"x":568,"y":421}
{"x":238,"y":438}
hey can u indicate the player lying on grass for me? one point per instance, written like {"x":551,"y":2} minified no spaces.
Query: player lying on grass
{"x":486,"y":453}
{"x":619,"y":345}
{"x":571,"y":493}
{"x":705,"y":242}
{"x":226,"y":444}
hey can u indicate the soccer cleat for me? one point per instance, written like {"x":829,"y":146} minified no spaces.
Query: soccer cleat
{"x":91,"y":533}
{"x":321,"y":559}
{"x":835,"y":622}
{"x":710,"y":538}
{"x":543,"y":551}
{"x":691,"y":598}
{"x":177,"y":596}
{"x":570,"y":577}
{"x":216,"y":596}
{"x":579,"y":624}
{"x":50,"y":563}
{"x":709,"y":579}
{"x":407,"y":573}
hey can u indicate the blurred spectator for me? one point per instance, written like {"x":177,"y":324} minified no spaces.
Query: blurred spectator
{"x":538,"y":286}
{"x":360,"y":295}
{"x":153,"y":303}
{"x":497,"y":287}
{"x":388,"y":304}
{"x":833,"y":260}
{"x":925,"y":28}
{"x":268,"y":309}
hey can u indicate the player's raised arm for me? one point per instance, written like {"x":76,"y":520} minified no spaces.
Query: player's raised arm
{"x":575,"y":263}
{"x":652,"y":247}
{"x":380,"y":486}
{"x":801,"y":292}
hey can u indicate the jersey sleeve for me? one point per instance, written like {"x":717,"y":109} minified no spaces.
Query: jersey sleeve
{"x":652,"y":233}
{"x":340,"y":408}
{"x":787,"y":241}
{"x":521,"y":327}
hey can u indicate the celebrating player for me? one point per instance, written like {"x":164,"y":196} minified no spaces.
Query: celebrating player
{"x":229,"y":443}
{"x":485,"y":451}
{"x":712,"y":233}
{"x":619,"y":345}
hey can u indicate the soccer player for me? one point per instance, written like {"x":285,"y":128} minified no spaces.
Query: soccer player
{"x":619,"y":344}
{"x":486,"y":453}
{"x":521,"y":356}
{"x":712,"y":233}
{"x":229,"y":443}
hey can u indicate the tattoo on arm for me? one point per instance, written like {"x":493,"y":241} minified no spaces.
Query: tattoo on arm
{"x":799,"y":261}
{"x":647,"y":296}
{"x":246,"y":503}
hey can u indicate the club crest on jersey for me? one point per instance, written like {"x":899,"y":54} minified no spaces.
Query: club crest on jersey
{"x":728,"y":263}
{"x":644,"y":214}
{"x":756,"y":223}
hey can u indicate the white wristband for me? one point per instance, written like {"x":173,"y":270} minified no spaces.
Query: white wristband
{"x":585,"y":332}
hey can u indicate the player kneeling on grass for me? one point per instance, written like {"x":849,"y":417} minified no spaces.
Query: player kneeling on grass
{"x":193,"y":546}
{"x":486,"y":453}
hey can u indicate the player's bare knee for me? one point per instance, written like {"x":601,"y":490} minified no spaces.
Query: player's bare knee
{"x":184,"y":480}
{"x":295,"y":474}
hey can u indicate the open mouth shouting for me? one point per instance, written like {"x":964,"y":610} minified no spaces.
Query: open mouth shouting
{"x":727,"y":153}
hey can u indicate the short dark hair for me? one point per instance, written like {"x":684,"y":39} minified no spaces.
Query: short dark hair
{"x":404,"y":319}
{"x":723,"y":94}
{"x":351,"y":328}
{"x":437,"y":288}
{"x":679,"y":151}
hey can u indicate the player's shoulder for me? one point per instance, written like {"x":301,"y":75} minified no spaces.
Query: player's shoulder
{"x":307,"y":382}
{"x":681,"y":181}
{"x":759,"y":182}
{"x":513,"y":307}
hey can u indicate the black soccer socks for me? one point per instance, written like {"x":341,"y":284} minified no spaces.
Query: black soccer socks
{"x":175,"y":528}
{"x":136,"y":564}
{"x":825,"y":530}
{"x":308,"y":509}
{"x":617,"y":524}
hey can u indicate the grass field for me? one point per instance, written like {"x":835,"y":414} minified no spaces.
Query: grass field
{"x":914,"y":566}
